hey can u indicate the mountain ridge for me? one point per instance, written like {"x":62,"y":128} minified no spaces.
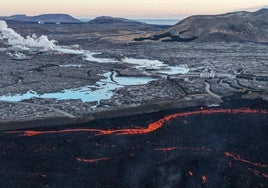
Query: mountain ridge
{"x":43,"y":18}
{"x":112,"y":20}
{"x":230,"y":27}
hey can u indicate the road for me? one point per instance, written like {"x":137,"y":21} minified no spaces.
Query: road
{"x":41,"y":106}
{"x":227,"y":86}
{"x":210,"y":92}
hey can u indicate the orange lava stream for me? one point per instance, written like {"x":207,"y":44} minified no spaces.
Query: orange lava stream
{"x":182,"y":148}
{"x":92,"y":160}
{"x":238,"y":158}
{"x":151,"y":127}
{"x":258,"y":173}
{"x":204,"y":179}
{"x":190,"y":173}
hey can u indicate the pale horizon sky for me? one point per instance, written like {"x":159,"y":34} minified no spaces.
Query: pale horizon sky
{"x":128,"y":9}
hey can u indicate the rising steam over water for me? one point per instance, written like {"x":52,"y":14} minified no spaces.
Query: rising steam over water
{"x":42,"y":43}
{"x":22,"y":44}
{"x":16,"y":40}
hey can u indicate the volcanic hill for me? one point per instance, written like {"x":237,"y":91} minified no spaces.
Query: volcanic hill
{"x":45,"y":18}
{"x":231,"y":27}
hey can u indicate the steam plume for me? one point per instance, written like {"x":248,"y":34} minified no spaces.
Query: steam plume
{"x":16,"y":40}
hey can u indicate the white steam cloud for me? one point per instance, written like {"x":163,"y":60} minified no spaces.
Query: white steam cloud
{"x":16,"y":40}
{"x":43,"y":44}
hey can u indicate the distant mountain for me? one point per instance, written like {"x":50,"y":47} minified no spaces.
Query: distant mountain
{"x":109,"y":24}
{"x":107,"y":20}
{"x":230,"y":27}
{"x":44,"y":18}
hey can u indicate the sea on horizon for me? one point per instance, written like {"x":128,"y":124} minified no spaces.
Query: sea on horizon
{"x":154,"y":21}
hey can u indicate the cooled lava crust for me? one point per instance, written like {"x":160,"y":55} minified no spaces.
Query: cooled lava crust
{"x":224,"y":146}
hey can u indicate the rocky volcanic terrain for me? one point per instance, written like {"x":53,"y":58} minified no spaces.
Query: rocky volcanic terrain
{"x":231,"y":27}
{"x":108,"y":37}
{"x":194,"y":147}
{"x":98,"y":108}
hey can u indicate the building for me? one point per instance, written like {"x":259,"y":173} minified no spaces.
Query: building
{"x":260,"y":77}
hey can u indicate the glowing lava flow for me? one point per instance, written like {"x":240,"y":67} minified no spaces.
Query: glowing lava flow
{"x":238,"y":158}
{"x":92,"y":160}
{"x":151,"y":127}
{"x":182,"y":148}
{"x":258,"y":173}
{"x":204,"y":179}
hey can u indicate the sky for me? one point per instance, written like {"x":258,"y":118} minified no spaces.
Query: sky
{"x":127,"y":8}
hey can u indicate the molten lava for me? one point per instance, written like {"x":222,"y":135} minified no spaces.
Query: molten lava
{"x":204,"y":179}
{"x":258,"y":173}
{"x":92,"y":160}
{"x":151,"y":127}
{"x":182,"y":148}
{"x":238,"y":158}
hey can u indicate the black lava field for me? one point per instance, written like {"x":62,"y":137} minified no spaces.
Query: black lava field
{"x":224,"y":146}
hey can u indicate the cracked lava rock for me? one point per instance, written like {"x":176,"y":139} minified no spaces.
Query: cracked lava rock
{"x":223,"y":146}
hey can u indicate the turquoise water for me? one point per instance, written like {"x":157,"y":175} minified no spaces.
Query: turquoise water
{"x":105,"y":87}
{"x":102,"y":90}
{"x":159,"y":66}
